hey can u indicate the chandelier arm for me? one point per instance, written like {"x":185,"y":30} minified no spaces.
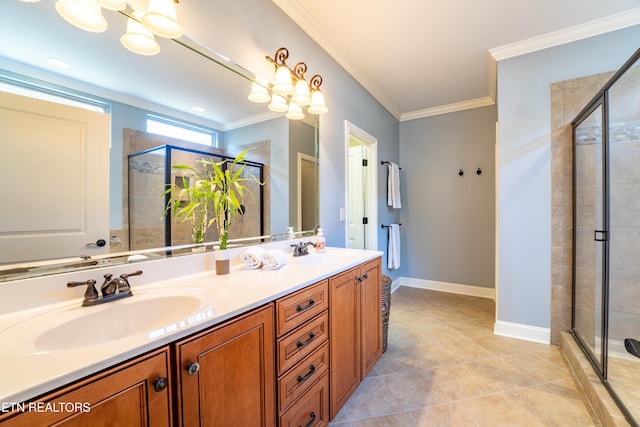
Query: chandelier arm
{"x":315,"y":82}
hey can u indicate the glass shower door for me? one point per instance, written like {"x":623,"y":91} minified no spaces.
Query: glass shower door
{"x":623,"y":366}
{"x":590,"y":236}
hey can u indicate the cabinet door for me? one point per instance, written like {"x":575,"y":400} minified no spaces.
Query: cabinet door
{"x":234,"y":381}
{"x":344,"y":332}
{"x":371,"y":301}
{"x":123,"y":396}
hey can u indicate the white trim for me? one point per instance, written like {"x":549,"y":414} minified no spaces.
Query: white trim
{"x":607,"y":24}
{"x":453,"y":288}
{"x":309,"y":25}
{"x":302,"y":157}
{"x":449,"y":108}
{"x":522,"y":332}
{"x":371,"y":236}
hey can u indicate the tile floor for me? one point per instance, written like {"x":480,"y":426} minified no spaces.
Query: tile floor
{"x":444,"y":367}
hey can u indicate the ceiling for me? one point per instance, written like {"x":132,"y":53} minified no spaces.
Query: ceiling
{"x":416,"y":57}
{"x":425,"y":57}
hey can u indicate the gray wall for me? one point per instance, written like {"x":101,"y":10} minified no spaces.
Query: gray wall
{"x":524,"y":166}
{"x":448,"y":225}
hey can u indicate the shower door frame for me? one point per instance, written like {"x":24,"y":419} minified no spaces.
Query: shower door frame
{"x":599,"y":365}
{"x":600,"y":99}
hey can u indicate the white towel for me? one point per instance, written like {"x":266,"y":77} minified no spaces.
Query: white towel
{"x":393,"y":253}
{"x":252,"y":257}
{"x":274,"y":259}
{"x":393,"y":186}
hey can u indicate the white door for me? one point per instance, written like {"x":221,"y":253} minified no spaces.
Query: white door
{"x":357,"y":194}
{"x":55,"y":194}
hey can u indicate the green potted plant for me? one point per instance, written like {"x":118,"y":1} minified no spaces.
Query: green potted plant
{"x":215,"y":197}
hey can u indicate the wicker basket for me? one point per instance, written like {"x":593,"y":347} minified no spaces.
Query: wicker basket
{"x":386,"y":309}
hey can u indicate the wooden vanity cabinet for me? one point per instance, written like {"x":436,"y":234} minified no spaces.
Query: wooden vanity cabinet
{"x":302,"y":347}
{"x":226,"y":375}
{"x":355,"y":325}
{"x":125,"y":395}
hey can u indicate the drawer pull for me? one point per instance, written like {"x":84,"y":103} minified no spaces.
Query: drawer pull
{"x":305,"y":307}
{"x":159,"y":384}
{"x":313,"y":418}
{"x":193,"y":368}
{"x":301,"y":378}
{"x":303,"y":343}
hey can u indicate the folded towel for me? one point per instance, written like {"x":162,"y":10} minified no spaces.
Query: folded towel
{"x":274,"y":259}
{"x":393,"y":253}
{"x":393,"y":186}
{"x":252,"y":257}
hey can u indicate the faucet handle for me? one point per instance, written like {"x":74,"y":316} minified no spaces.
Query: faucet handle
{"x":91,"y":293}
{"x":123,"y":283}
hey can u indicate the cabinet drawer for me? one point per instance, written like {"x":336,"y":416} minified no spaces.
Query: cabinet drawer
{"x":299,"y":343}
{"x":293,"y":310}
{"x":301,"y":377}
{"x":312,"y":410}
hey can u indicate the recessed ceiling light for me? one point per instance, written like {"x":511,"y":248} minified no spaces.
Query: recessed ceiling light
{"x":56,"y":62}
{"x":198,"y":109}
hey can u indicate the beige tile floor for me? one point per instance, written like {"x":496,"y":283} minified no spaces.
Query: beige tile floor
{"x":444,"y":367}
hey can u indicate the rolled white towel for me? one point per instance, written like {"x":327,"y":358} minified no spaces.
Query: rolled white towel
{"x":274,"y":259}
{"x":252,"y":257}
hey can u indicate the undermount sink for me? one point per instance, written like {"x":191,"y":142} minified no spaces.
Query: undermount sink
{"x":79,"y":327}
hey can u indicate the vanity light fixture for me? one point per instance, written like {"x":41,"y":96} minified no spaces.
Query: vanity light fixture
{"x":161,"y":19}
{"x":137,"y":38}
{"x":84,"y":14}
{"x":112,"y":4}
{"x":290,"y":92}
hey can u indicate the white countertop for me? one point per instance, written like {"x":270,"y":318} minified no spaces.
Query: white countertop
{"x":27,"y":371}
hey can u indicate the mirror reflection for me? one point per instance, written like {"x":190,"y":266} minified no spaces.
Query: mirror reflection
{"x":134,"y":93}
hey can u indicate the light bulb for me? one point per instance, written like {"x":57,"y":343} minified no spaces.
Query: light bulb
{"x":278,"y":104}
{"x":317,"y":103}
{"x":301,"y":94}
{"x":112,"y":4}
{"x":84,"y":14}
{"x":161,"y":19}
{"x":138,"y":39}
{"x":283,"y":84}
{"x":259,"y":93}
{"x":295,"y":112}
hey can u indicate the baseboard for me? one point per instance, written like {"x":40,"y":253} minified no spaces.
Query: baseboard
{"x":523,"y":332}
{"x":453,"y":288}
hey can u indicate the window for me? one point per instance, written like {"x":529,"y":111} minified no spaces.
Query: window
{"x":51,"y":95}
{"x":184,"y":131}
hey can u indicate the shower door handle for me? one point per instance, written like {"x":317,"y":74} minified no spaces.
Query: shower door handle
{"x":600,"y":235}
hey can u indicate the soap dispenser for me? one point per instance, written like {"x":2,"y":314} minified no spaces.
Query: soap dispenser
{"x":320,"y":241}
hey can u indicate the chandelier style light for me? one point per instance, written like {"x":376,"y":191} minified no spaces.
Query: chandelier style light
{"x":138,"y":39}
{"x":290,"y":91}
{"x":159,"y":19}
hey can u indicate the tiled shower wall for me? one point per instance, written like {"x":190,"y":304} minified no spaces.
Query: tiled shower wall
{"x":568,"y":98}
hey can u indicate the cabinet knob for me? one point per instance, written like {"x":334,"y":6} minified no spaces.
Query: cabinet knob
{"x":366,"y":275}
{"x":193,"y":368}
{"x":160,"y":384}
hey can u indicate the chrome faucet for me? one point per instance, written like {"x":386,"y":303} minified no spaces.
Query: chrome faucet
{"x":113,"y":288}
{"x":301,"y":248}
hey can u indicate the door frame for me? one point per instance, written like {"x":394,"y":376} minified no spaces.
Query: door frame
{"x":371,"y":206}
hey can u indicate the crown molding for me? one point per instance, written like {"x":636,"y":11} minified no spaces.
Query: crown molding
{"x":615,"y":22}
{"x":309,"y":25}
{"x":449,"y":108}
{"x":258,"y":118}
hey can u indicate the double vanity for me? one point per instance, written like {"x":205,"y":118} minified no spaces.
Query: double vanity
{"x":189,"y":347}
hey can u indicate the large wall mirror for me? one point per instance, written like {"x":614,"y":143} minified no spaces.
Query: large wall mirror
{"x":131,"y":90}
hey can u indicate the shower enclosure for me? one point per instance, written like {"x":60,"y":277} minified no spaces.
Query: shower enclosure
{"x":606,"y":235}
{"x":149,"y":173}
